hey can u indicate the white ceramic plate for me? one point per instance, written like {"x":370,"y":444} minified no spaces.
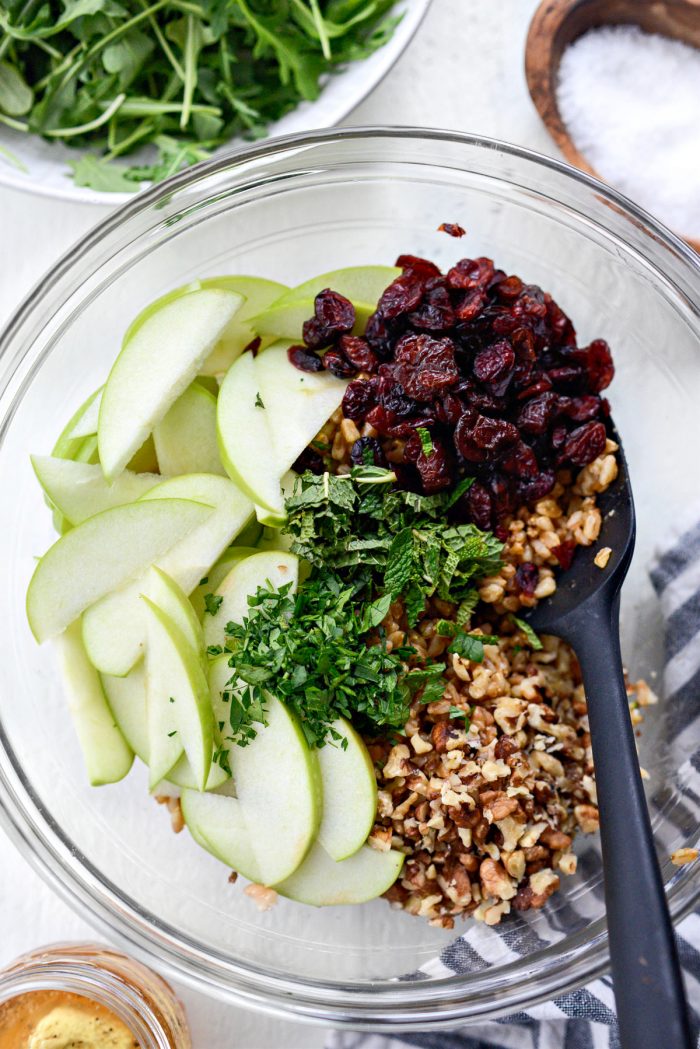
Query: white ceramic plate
{"x":46,"y":163}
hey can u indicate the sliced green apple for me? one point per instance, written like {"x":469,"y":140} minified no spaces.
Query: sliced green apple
{"x":157,"y":363}
{"x":272,"y":569}
{"x":79,"y":490}
{"x":259,"y":293}
{"x":185,"y":439}
{"x":245,"y":438}
{"x":127,"y":701}
{"x":268,"y":412}
{"x":217,"y":822}
{"x":363,"y":285}
{"x":281,"y":823}
{"x":106,"y":753}
{"x":349,"y":792}
{"x":102,"y":554}
{"x":178,"y":707}
{"x":164,"y":592}
{"x":321,"y":882}
{"x":69,"y":441}
{"x":113,"y":629}
{"x":298,"y":403}
{"x":86,"y":424}
{"x":145,"y":460}
{"x":217,"y":573}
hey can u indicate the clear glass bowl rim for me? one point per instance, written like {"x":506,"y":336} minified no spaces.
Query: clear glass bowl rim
{"x":446,"y":1002}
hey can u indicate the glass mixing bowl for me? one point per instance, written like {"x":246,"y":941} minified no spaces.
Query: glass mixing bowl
{"x":286,"y":210}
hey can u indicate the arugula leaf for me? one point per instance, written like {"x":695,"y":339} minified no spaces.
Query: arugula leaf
{"x":101,"y":175}
{"x":16,"y":96}
{"x":532,"y":638}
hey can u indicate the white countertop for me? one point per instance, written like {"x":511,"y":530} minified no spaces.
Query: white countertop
{"x":464,"y":71}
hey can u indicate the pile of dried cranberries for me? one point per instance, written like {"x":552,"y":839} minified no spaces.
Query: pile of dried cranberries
{"x":483,"y":362}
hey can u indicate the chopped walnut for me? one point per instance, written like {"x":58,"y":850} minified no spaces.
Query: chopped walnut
{"x":587,"y":817}
{"x":263,"y":897}
{"x":495,"y":881}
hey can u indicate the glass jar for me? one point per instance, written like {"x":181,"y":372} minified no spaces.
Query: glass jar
{"x":137,"y":996}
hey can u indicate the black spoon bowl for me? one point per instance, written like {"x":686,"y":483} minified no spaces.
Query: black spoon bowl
{"x":585,"y":611}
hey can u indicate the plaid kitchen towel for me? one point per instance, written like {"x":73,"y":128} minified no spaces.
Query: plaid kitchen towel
{"x":585,"y":1019}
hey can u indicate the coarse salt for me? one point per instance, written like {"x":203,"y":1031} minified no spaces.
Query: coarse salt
{"x":631,"y":102}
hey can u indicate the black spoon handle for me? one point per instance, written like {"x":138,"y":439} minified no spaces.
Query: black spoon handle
{"x":651,"y":1003}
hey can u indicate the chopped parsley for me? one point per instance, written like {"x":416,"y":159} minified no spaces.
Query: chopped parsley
{"x":258,"y":401}
{"x":426,"y":441}
{"x":212,"y":603}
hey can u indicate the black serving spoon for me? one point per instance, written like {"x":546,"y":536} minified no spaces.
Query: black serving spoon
{"x":585,"y":611}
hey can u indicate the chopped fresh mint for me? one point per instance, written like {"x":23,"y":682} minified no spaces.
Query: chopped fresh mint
{"x":258,"y":401}
{"x":212,"y":603}
{"x":426,"y":441}
{"x":532,"y":638}
{"x":471,"y":646}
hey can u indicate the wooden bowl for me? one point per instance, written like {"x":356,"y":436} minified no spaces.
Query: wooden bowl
{"x":557,"y":23}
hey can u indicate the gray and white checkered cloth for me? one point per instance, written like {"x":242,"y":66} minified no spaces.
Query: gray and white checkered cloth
{"x":585,"y":1019}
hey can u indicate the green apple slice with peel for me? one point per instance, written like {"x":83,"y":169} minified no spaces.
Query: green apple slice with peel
{"x":245,"y":438}
{"x":349,"y":792}
{"x":127,"y":701}
{"x":185,"y":440}
{"x":113,"y":629}
{"x":363,"y":285}
{"x":259,"y":294}
{"x":217,"y":573}
{"x":177,"y":699}
{"x":321,"y":882}
{"x":106,"y":753}
{"x":298,"y":404}
{"x":268,"y":412}
{"x":217,"y":822}
{"x":171,"y":599}
{"x":270,"y":569}
{"x":103,"y":553}
{"x":278,"y":796}
{"x":157,"y":363}
{"x":69,"y":441}
{"x":79,"y":490}
{"x":86,"y":424}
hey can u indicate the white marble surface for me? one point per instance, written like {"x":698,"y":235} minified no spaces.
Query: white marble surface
{"x":464,"y":70}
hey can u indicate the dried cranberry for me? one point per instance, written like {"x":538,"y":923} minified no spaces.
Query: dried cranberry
{"x":539,"y":384}
{"x":476,"y":435}
{"x":449,"y":409}
{"x":564,"y":553}
{"x":436,"y":313}
{"x":253,"y":346}
{"x":568,"y":377}
{"x":494,"y":362}
{"x":333,"y":315}
{"x":429,"y":365}
{"x":337,"y":364}
{"x":433,"y":466}
{"x":527,"y":576}
{"x":558,"y":437}
{"x":359,"y":399}
{"x":520,"y":461}
{"x":471,"y":273}
{"x":536,"y":415}
{"x":305,"y":360}
{"x":561,"y":327}
{"x":451,"y":229}
{"x":424,"y":267}
{"x":390,"y":392}
{"x":580,"y":409}
{"x":367,"y":451}
{"x":478,"y":505}
{"x":585,"y":444}
{"x":532,"y":489}
{"x":599,"y":365}
{"x":502,"y":498}
{"x":470,"y":305}
{"x":379,"y":335}
{"x":358,"y":353}
{"x":402,"y":296}
{"x":509,"y":288}
{"x":478,"y":398}
{"x":309,"y":460}
{"x":382,"y":419}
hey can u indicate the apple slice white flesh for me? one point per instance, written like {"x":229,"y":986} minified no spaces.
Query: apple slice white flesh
{"x":297,"y":403}
{"x":216,"y":822}
{"x":113,"y":629}
{"x":271,"y":569}
{"x":321,"y":882}
{"x":217,"y":573}
{"x":86,"y":424}
{"x":280,"y":811}
{"x":185,"y":439}
{"x":349,"y":792}
{"x":362,"y":285}
{"x":69,"y":440}
{"x":259,"y":293}
{"x":178,"y":707}
{"x":245,"y":438}
{"x":102,"y":554}
{"x":126,"y":697}
{"x":156,"y":364}
{"x":79,"y":490}
{"x":106,"y":753}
